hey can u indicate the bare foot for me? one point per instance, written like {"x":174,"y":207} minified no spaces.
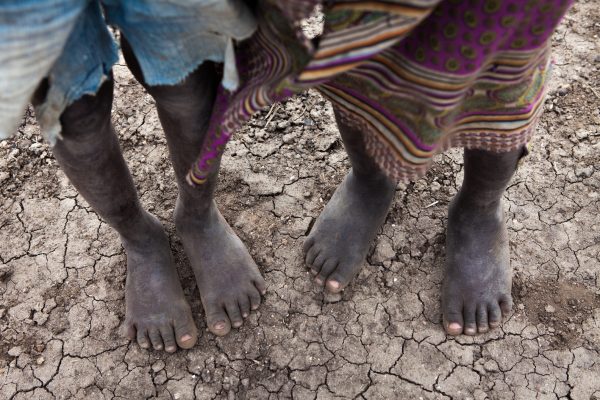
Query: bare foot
{"x":156,"y":312}
{"x":228,"y":279}
{"x":338,"y":244}
{"x":477,"y":281}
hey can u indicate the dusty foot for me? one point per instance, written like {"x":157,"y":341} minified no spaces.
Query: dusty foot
{"x":477,"y":281}
{"x":228,"y":279}
{"x":338,"y":244}
{"x":157,"y":313}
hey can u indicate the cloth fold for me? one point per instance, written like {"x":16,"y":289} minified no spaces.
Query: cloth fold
{"x":417,"y":76}
{"x":68,"y":42}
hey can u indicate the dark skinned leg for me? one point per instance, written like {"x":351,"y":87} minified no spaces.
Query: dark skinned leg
{"x":157,"y":313}
{"x":477,"y":281}
{"x":229,"y":281}
{"x":338,"y":243}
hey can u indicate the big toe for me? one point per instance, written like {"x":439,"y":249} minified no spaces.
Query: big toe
{"x":186,"y":333}
{"x":217,"y":320}
{"x":453,"y":319}
{"x":341,"y":277}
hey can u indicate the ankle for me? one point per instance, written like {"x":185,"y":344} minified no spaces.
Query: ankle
{"x":467,"y":209}
{"x":197,"y":217}
{"x":374,"y":181}
{"x":140,"y":230}
{"x":479,"y":199}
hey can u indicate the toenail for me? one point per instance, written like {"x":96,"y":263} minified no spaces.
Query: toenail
{"x":255,"y":307}
{"x":237,"y":324}
{"x":470,"y":331}
{"x":171,"y":349}
{"x":454,"y":326}
{"x":245,"y":315}
{"x":319,"y":282}
{"x":157,"y":347}
{"x":220,"y":326}
{"x":334,"y":285}
{"x":185,"y":338}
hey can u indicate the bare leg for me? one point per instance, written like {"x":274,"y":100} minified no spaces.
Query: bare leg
{"x":229,"y":281}
{"x":89,"y":153}
{"x":477,"y":281}
{"x":338,"y":243}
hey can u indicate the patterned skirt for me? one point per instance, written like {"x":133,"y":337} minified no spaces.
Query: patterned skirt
{"x":417,"y":76}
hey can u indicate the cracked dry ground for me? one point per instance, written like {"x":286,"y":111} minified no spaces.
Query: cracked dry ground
{"x":63,"y":270}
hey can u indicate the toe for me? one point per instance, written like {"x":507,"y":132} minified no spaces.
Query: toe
{"x":217,"y":320}
{"x":244,"y":304}
{"x":235,"y":316}
{"x":312,"y":253}
{"x":338,"y":282}
{"x":469,"y":319}
{"x":130,"y":331}
{"x":319,"y":261}
{"x":308,"y":243}
{"x":186,"y":333}
{"x":482,"y":319}
{"x":494,"y":315}
{"x":453,"y":319}
{"x":505,"y":305}
{"x":142,"y":338}
{"x":168,"y":338}
{"x":254,"y":299}
{"x":260,"y":285}
{"x":155,"y":339}
{"x":327,"y":269}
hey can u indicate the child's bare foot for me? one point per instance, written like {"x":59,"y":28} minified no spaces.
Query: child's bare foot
{"x":157,"y":313}
{"x":477,"y":281}
{"x":228,"y":279}
{"x":338,"y":244}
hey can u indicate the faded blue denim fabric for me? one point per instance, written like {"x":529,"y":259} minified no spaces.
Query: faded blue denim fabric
{"x":68,"y":41}
{"x":33,"y":34}
{"x":85,"y":63}
{"x":168,"y":37}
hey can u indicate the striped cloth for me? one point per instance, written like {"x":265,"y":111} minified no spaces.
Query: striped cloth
{"x":417,"y":76}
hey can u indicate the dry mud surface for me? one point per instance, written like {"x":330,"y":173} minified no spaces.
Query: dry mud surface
{"x":62,"y":270}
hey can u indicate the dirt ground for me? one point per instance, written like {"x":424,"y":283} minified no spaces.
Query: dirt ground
{"x":62,"y":271}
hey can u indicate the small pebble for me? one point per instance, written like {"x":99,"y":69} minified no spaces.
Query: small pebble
{"x":582,"y":134}
{"x":490,"y":366}
{"x":287,"y":139}
{"x":206,"y":376}
{"x":158,"y":366}
{"x":15,"y":351}
{"x":160,"y":378}
{"x":550,"y":309}
{"x":40,"y":360}
{"x":584,"y":172}
{"x":307,"y":194}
